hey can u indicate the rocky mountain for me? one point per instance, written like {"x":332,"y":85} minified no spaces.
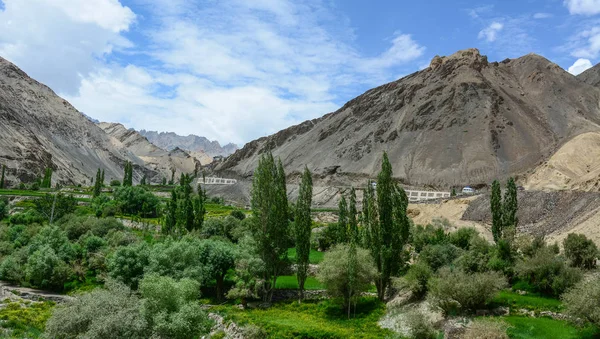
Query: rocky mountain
{"x":463,"y":120}
{"x":38,"y":129}
{"x":156,"y":158}
{"x":194,"y":143}
{"x":591,"y":76}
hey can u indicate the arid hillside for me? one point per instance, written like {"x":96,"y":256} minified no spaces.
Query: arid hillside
{"x":464,"y":120}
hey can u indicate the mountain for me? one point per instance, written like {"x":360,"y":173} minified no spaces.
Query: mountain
{"x":194,"y":143}
{"x":463,"y":120}
{"x":591,"y":76}
{"x":156,"y":158}
{"x":38,"y":129}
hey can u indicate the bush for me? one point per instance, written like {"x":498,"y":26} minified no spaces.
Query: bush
{"x":417,"y":278}
{"x":583,"y":301}
{"x":26,"y":218}
{"x":3,"y":209}
{"x":136,"y":200}
{"x":462,"y":237}
{"x":334,"y":272}
{"x":11,"y":269}
{"x":171,"y":308}
{"x":323,"y":238}
{"x":45,"y":269}
{"x":419,"y":326}
{"x":581,"y":251}
{"x":115,"y":183}
{"x":428,"y":235}
{"x":436,"y":256}
{"x":455,"y":291}
{"x":548,"y":273}
{"x":238,"y":214}
{"x":177,"y":259}
{"x":127,"y":264}
{"x":476,"y":259}
{"x":488,"y":329}
{"x":76,"y":226}
{"x":110,"y":312}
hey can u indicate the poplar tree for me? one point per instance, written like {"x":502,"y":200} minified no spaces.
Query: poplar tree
{"x":128,"y":174}
{"x":385,"y":237}
{"x":102,"y":179}
{"x":510,"y":205}
{"x":303,"y":224}
{"x":199,"y":208}
{"x":352,"y":222}
{"x":2,"y":180}
{"x":143,"y":181}
{"x":342,"y":225}
{"x":496,"y":208}
{"x":171,"y":215}
{"x":269,"y":205}
{"x":47,"y":181}
{"x":97,"y":184}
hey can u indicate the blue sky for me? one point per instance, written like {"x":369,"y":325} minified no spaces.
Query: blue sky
{"x":235,"y":70}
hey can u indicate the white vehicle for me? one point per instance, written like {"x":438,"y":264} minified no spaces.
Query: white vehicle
{"x":468,"y":190}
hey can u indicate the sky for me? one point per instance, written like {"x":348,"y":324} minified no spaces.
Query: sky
{"x":236,"y":70}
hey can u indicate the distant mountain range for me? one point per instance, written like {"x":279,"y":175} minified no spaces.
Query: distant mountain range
{"x":194,"y":143}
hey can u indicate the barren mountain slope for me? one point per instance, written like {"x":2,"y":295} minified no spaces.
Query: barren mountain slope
{"x":591,"y":76}
{"x":461,"y":121}
{"x":154,"y":157}
{"x":194,"y":143}
{"x":38,"y":129}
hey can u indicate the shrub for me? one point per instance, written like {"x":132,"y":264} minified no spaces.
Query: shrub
{"x":45,"y":269}
{"x":436,"y":256}
{"x":323,"y":238}
{"x":455,"y":291}
{"x":11,"y":269}
{"x":136,"y":200}
{"x":115,"y":183}
{"x":334,"y":272}
{"x":26,"y":218}
{"x":127,"y":264}
{"x":56,"y":239}
{"x":461,"y":238}
{"x":581,"y":251}
{"x":476,"y":259}
{"x":583,"y":301}
{"x":177,"y":259}
{"x":417,"y":277}
{"x":428,"y":235}
{"x":238,"y":214}
{"x":3,"y":209}
{"x":110,"y":312}
{"x":548,"y":273}
{"x":419,"y":326}
{"x":171,"y":307}
{"x":488,"y":329}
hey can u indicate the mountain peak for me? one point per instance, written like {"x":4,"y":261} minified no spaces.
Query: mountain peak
{"x":470,"y":57}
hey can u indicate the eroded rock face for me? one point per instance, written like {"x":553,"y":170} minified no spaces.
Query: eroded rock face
{"x":591,"y":76}
{"x":38,"y":129}
{"x":193,"y":143}
{"x":461,"y":121}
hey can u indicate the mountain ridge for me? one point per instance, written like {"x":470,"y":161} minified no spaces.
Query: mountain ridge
{"x":191,"y":142}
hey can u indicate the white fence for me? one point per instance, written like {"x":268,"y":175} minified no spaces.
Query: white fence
{"x":425,"y":195}
{"x":218,"y":181}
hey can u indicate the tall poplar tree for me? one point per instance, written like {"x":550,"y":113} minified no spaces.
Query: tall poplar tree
{"x":385,"y":237}
{"x":171,"y":215}
{"x":199,"y":208}
{"x":510,"y":205}
{"x":102,"y":179}
{"x":269,"y":205}
{"x":352,"y":221}
{"x":496,"y":208}
{"x":342,"y":224}
{"x":303,"y":224}
{"x":97,"y":184}
{"x":2,"y":180}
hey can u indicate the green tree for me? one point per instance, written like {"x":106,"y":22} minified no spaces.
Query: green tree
{"x":303,"y":224}
{"x":47,"y":181}
{"x":583,"y":301}
{"x":143,"y":181}
{"x":510,"y":205}
{"x":98,"y":184}
{"x":127,"y":264}
{"x":172,"y":181}
{"x":386,"y":237}
{"x":136,"y":200}
{"x":54,"y":206}
{"x":581,"y":251}
{"x":269,"y":206}
{"x":2,"y":180}
{"x":199,"y":208}
{"x":496,"y":207}
{"x":128,"y":174}
{"x":340,"y":278}
{"x":170,"y":223}
{"x":353,"y":236}
{"x":342,"y":224}
{"x":217,"y":257}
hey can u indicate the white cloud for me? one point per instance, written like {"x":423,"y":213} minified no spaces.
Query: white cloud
{"x":542,"y":15}
{"x":588,"y":43}
{"x":55,"y":45}
{"x":490,"y":33}
{"x":583,"y":7}
{"x":580,"y":66}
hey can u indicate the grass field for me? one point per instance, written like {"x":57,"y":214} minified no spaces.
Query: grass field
{"x":535,"y":328}
{"x":289,"y":282}
{"x":314,"y":257}
{"x":528,"y":302}
{"x":312,"y":319}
